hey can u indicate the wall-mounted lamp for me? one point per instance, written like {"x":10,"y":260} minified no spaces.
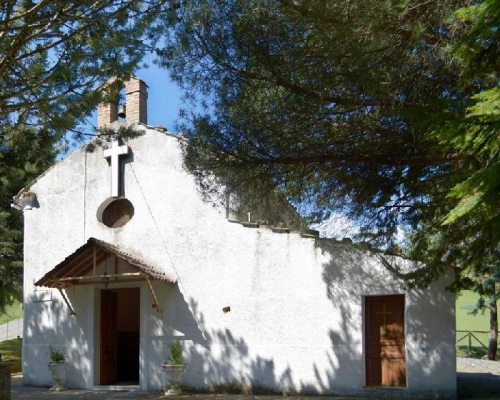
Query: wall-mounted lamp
{"x":27,"y":200}
{"x":105,"y":280}
{"x":105,"y":277}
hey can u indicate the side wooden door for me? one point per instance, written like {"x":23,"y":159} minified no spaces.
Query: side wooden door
{"x":108,"y":337}
{"x":385,"y":341}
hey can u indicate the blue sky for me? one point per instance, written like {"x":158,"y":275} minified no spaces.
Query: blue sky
{"x":164,"y":97}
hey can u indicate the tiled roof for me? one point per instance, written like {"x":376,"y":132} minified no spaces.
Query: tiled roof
{"x":81,"y":262}
{"x":309,"y":233}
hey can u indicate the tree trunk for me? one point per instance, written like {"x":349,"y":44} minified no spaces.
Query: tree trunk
{"x":492,"y":346}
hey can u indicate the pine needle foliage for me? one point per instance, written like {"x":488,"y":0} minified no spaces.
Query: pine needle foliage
{"x":55,"y":55}
{"x":384,"y":111}
{"x":324,"y":100}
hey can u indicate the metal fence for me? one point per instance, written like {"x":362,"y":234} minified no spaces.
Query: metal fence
{"x":11,"y":330}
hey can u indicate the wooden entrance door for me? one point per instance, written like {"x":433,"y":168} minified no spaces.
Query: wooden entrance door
{"x":385,"y":341}
{"x":108,"y":337}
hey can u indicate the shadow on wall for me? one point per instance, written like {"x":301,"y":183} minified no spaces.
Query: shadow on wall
{"x":430,"y":335}
{"x":429,"y":314}
{"x":223,"y":360}
{"x":48,"y":320}
{"x":349,"y":275}
{"x":213,"y":365}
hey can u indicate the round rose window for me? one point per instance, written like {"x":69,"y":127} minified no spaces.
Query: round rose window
{"x":115,"y":213}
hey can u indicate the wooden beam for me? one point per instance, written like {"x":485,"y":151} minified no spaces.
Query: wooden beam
{"x":157,"y":304}
{"x":97,"y":282}
{"x":71,"y":311}
{"x":87,"y":277}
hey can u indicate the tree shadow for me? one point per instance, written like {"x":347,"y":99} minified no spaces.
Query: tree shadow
{"x":290,"y":341}
{"x":429,"y":318}
{"x":225,"y":363}
{"x":475,"y":385}
{"x":236,"y":362}
{"x":48,"y":320}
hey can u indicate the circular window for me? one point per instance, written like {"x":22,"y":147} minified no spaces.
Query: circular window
{"x":115,"y":213}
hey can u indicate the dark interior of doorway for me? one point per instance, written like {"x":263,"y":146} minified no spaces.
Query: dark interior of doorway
{"x":127,"y":336}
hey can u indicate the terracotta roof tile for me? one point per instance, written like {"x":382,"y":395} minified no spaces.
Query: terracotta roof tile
{"x":81,"y":262}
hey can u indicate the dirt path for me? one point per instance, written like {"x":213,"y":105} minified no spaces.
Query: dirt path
{"x":476,"y":380}
{"x":11,"y":330}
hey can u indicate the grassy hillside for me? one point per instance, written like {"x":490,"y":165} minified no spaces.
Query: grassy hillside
{"x":11,"y":312}
{"x":466,"y":321}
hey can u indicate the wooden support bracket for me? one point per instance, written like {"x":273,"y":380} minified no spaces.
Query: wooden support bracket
{"x":71,"y":311}
{"x":156,"y":304}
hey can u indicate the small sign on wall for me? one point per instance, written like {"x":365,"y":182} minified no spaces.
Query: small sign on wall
{"x":41,"y":296}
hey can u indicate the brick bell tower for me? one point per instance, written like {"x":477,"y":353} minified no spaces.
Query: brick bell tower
{"x":135,"y":108}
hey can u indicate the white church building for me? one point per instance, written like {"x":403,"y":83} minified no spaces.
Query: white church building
{"x":124,"y":254}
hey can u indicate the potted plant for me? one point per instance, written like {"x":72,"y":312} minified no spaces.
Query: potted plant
{"x":173,"y":369}
{"x":57,"y":366}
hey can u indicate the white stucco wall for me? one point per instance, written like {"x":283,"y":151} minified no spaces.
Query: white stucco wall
{"x":296,"y":319}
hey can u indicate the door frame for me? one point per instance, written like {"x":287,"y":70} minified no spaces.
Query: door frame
{"x":98,"y":331}
{"x":401,"y":299}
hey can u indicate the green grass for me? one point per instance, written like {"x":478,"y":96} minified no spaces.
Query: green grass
{"x":466,"y":321}
{"x":11,"y":351}
{"x":473,"y":323}
{"x":11,"y":313}
{"x":474,"y":352}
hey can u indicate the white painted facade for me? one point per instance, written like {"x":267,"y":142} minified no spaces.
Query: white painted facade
{"x":296,"y":318}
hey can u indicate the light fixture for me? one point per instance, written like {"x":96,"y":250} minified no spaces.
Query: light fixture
{"x":105,"y":280}
{"x":27,"y":200}
{"x":105,"y":277}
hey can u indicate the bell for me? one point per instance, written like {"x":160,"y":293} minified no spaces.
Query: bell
{"x":122,"y":113}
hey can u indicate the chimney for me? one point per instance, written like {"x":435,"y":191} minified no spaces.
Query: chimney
{"x":136,"y":95}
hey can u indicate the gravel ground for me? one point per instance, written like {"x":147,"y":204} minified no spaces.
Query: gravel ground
{"x":476,"y":380}
{"x":475,"y":365}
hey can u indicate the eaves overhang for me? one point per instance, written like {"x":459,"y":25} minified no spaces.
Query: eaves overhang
{"x":80,"y":267}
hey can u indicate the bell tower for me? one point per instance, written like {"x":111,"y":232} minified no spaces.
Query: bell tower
{"x":136,"y":97}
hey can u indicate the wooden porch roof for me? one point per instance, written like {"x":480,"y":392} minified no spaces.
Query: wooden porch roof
{"x":75,"y":268}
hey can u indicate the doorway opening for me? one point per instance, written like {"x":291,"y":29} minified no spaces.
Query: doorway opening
{"x":120,"y":338}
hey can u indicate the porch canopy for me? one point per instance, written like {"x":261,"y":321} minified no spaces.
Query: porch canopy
{"x":80,"y":268}
{"x":75,"y":268}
